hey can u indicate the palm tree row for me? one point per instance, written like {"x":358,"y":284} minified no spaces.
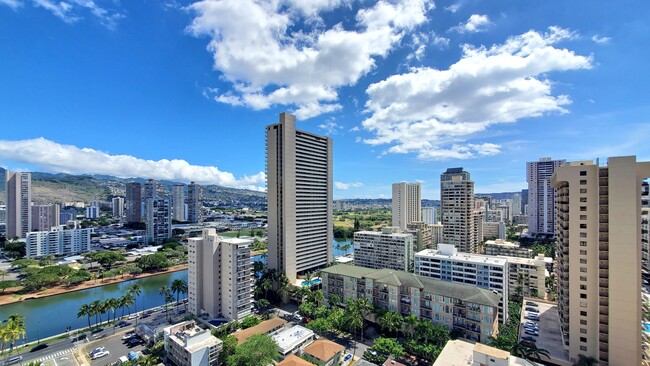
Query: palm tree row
{"x":97,"y":308}
{"x":12,"y":330}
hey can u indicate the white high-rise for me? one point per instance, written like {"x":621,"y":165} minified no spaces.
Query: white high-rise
{"x":457,"y":210}
{"x":159,"y":219}
{"x":541,"y":196}
{"x":19,"y":209}
{"x":194,"y":203}
{"x":386,"y":249}
{"x":58,"y":241}
{"x":299,"y":191}
{"x":429,"y":215}
{"x":220,"y":276}
{"x":407,"y":204}
{"x":178,"y":202}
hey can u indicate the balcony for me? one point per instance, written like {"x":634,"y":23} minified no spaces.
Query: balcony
{"x":603,"y":310}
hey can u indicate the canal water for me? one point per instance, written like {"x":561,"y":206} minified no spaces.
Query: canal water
{"x":48,"y":316}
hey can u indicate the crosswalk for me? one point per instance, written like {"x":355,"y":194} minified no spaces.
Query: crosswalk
{"x":54,"y":355}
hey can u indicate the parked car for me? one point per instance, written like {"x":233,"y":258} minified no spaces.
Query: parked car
{"x":528,"y":339}
{"x":134,"y":341}
{"x":533,"y":327}
{"x":97,"y":350}
{"x":531,"y":317}
{"x":133,"y":356}
{"x":532,"y":332}
{"x":100,"y":354}
{"x":13,"y":360}
{"x":127,"y":336}
{"x":530,"y":303}
{"x":532,"y":309}
{"x":347,"y":357}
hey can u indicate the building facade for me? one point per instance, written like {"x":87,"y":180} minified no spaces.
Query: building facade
{"x":188,"y":345}
{"x":118,"y":207}
{"x":429,"y":215}
{"x":406,"y":204}
{"x":19,"y":204}
{"x":299,"y":195}
{"x":541,"y":196}
{"x":159,"y":220}
{"x":386,"y":249}
{"x":457,"y":210}
{"x":93,"y":210}
{"x":133,"y":202}
{"x":598,"y":263}
{"x":526,"y":276}
{"x":150,"y":189}
{"x":194,"y":203}
{"x":220,"y":276}
{"x":178,"y":202}
{"x":470,"y":310}
{"x":58,"y":241}
{"x":506,"y":248}
{"x":422,"y":234}
{"x":43,"y":218}
{"x":447,"y":264}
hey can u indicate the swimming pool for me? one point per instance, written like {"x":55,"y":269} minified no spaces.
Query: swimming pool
{"x":645,"y":326}
{"x":313,"y":282}
{"x":217,"y":322}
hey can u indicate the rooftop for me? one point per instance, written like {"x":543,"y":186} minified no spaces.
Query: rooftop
{"x":529,"y":261}
{"x":502,"y":243}
{"x":262,"y":328}
{"x":464,"y":353}
{"x":323,"y":349}
{"x":288,"y":339}
{"x":459,"y":256}
{"x":293,"y":360}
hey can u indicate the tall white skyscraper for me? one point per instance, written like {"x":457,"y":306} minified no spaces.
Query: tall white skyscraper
{"x":429,"y":215}
{"x":178,"y":202}
{"x":194,"y":203}
{"x":159,"y":219}
{"x":457,"y":210}
{"x":541,"y":196}
{"x":19,"y":209}
{"x":407,"y":204}
{"x":118,"y":207}
{"x":220,"y":276}
{"x":299,"y":191}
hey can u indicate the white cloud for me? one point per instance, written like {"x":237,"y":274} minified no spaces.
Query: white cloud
{"x":440,"y":42}
{"x":54,"y":157}
{"x":14,"y":4}
{"x":601,"y":39}
{"x":345,"y":186}
{"x":255,"y":47}
{"x":435,"y":112}
{"x":476,"y":23}
{"x":330,"y":127}
{"x":71,"y":11}
{"x":354,"y":129}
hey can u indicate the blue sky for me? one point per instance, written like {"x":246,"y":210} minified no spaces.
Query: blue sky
{"x":182,"y":90}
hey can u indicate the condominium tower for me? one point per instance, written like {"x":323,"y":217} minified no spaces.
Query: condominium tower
{"x":457,"y":210}
{"x":386,"y":249}
{"x":133,"y":202}
{"x":194,"y":203}
{"x":220,"y":276}
{"x":299,"y":191}
{"x":19,"y":209}
{"x":57,"y":241}
{"x":598,"y":254}
{"x":159,"y":219}
{"x":429,"y":215}
{"x":541,"y":196}
{"x":407,"y":204}
{"x":178,"y":202}
{"x":44,"y":217}
{"x":118,"y":207}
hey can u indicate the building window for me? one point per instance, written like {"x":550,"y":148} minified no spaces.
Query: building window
{"x":583,"y":190}
{"x":583,"y":235}
{"x":583,"y":226}
{"x":583,"y":339}
{"x":583,"y":269}
{"x":583,"y":217}
{"x":583,"y":278}
{"x":583,"y":330}
{"x":583,"y":199}
{"x":583,"y":208}
{"x":583,"y":261}
{"x":583,"y":313}
{"x":583,"y":287}
{"x":583,"y":243}
{"x":583,"y":173}
{"x":583,"y":322}
{"x":583,"y":252}
{"x":583,"y":182}
{"x":583,"y":296}
{"x":583,"y":348}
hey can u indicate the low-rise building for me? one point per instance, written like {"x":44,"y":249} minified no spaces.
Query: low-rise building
{"x":292,"y":339}
{"x":188,"y":345}
{"x":506,"y":248}
{"x":324,"y":353}
{"x":527,"y":276}
{"x":386,"y":249}
{"x":468,"y":309}
{"x":422,"y":233}
{"x":58,"y":241}
{"x":462,"y":353}
{"x":266,"y":327}
{"x":293,"y":360}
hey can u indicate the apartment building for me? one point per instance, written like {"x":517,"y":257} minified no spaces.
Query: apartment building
{"x":194,"y":203}
{"x":470,"y":310}
{"x":220,"y":276}
{"x":447,"y":264}
{"x":598,"y":258}
{"x":188,"y":345}
{"x":436,"y":234}
{"x":526,"y":276}
{"x":506,"y":248}
{"x":541,"y":196}
{"x":406,"y":204}
{"x":457,"y":210}
{"x":178,"y":202}
{"x":151,"y":189}
{"x":389,"y":248}
{"x":19,"y":204}
{"x":299,"y":196}
{"x":44,"y":217}
{"x":93,"y":210}
{"x":57,"y":241}
{"x":422,"y":234}
{"x":429,"y":215}
{"x":133,"y":202}
{"x":117,"y":204}
{"x":158,"y":219}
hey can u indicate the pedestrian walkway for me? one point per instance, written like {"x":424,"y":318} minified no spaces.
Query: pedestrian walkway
{"x":54,"y":355}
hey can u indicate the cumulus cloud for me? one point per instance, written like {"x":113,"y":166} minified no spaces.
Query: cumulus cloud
{"x":601,"y":39}
{"x":476,"y":23}
{"x":72,"y":11}
{"x":435,"y":112}
{"x":255,"y":46}
{"x":54,"y":157}
{"x":330,"y":127}
{"x":345,"y":186}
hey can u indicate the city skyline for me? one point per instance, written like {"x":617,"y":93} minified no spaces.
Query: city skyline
{"x":118,"y":66}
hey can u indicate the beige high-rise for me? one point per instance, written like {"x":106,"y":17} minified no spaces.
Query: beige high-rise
{"x":299,"y":195}
{"x":457,"y":210}
{"x":407,"y":204}
{"x":598,"y":229}
{"x":19,"y":209}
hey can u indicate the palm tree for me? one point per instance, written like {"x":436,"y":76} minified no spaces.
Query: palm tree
{"x":391,"y":322}
{"x":364,"y":307}
{"x":135,"y":290}
{"x":15,"y":328}
{"x":178,"y":287}
{"x":167,"y":296}
{"x":535,"y":353}
{"x":4,"y":336}
{"x":112,"y":304}
{"x":585,"y":361}
{"x":424,"y":329}
{"x":126,"y":301}
{"x":334,"y":299}
{"x":411,"y":320}
{"x":85,"y":310}
{"x":3,"y":274}
{"x":265,"y":286}
{"x":95,"y":309}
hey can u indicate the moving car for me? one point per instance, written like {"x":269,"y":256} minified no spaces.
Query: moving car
{"x":13,"y":360}
{"x":528,"y":339}
{"x":38,"y":347}
{"x":123,"y":323}
{"x":100,"y":355}
{"x":97,"y":350}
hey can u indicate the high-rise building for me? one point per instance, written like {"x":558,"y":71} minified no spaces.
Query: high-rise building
{"x":516,"y":204}
{"x":527,"y":276}
{"x":484,"y":271}
{"x":299,"y":191}
{"x":598,"y":216}
{"x":67,"y":214}
{"x":178,"y":201}
{"x":150,"y":190}
{"x":524,"y":201}
{"x":93,"y":211}
{"x":133,"y":202}
{"x":422,"y":235}
{"x":541,"y":196}
{"x":42,"y":219}
{"x":58,"y":241}
{"x":3,"y":214}
{"x":429,"y":215}
{"x":55,"y":214}
{"x":386,"y":249}
{"x":194,"y":203}
{"x":407,"y":204}
{"x":220,"y":276}
{"x":436,"y":235}
{"x":159,"y":219}
{"x":19,"y":204}
{"x":118,"y":207}
{"x":645,"y":226}
{"x":457,"y":210}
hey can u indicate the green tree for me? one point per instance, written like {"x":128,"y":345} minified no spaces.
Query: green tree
{"x":8,"y":284}
{"x":96,"y":310}
{"x":135,"y":290}
{"x":153,"y":262}
{"x":229,"y":346}
{"x":168,"y":297}
{"x":410,"y":320}
{"x":250,"y":321}
{"x":320,"y":325}
{"x":262,"y":304}
{"x":388,"y":346}
{"x":334,"y":299}
{"x":179,"y":286}
{"x":258,"y":350}
{"x":390,"y":322}
{"x":84,"y":310}
{"x":585,"y":361}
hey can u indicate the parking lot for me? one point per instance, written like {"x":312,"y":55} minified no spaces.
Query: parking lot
{"x":113,"y":344}
{"x":550,"y":336}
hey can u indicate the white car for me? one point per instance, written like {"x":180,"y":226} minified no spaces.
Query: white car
{"x":97,"y":350}
{"x":100,"y":354}
{"x":127,"y":336}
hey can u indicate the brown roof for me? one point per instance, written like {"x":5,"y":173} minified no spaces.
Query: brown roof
{"x":323,"y":349}
{"x":262,"y":328}
{"x":294,"y":360}
{"x":391,"y":362}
